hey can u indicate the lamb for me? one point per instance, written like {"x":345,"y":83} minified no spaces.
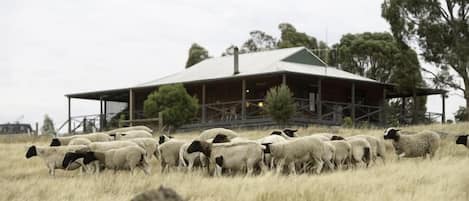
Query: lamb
{"x":462,"y":139}
{"x":131,"y":134}
{"x":290,"y":132}
{"x":211,"y":133}
{"x":164,"y":138}
{"x":378,"y":148}
{"x":169,"y":153}
{"x":283,"y":134}
{"x":421,"y":144}
{"x":79,"y":141}
{"x":132,"y":128}
{"x":93,"y":137}
{"x":117,"y":159}
{"x":343,"y":153}
{"x":298,"y":150}
{"x":150,"y":145}
{"x":234,"y":156}
{"x":54,"y":156}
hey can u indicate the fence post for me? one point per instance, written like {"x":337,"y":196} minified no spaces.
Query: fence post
{"x":37,"y":128}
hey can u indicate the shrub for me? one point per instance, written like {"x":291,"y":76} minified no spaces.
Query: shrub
{"x":279,"y":104}
{"x":48,"y":126}
{"x":175,"y":104}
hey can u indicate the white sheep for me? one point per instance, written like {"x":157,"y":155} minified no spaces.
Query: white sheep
{"x":343,"y":153}
{"x":169,"y":153}
{"x":298,"y":150}
{"x":378,"y":148}
{"x":131,"y":134}
{"x":270,"y":139}
{"x":54,"y":156}
{"x":131,"y":128}
{"x":211,"y":133}
{"x":149,"y":144}
{"x":105,"y":146}
{"x":125,"y":158}
{"x":421,"y":144}
{"x":234,"y":156}
{"x":93,"y":137}
{"x":361,"y":151}
{"x":79,"y":141}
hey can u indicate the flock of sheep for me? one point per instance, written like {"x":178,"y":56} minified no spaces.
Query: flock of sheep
{"x":222,"y":151}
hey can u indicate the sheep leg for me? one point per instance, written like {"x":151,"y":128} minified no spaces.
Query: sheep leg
{"x":400,"y":156}
{"x":191,"y":164}
{"x":280,"y":165}
{"x":318,"y":164}
{"x":291,"y":167}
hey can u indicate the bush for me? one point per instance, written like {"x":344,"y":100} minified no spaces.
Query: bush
{"x":176,"y":105}
{"x":461,"y":114}
{"x":279,"y":104}
{"x":48,"y":126}
{"x":347,"y":123}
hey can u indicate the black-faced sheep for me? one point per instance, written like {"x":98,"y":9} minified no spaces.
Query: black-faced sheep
{"x":421,"y":144}
{"x":125,"y":158}
{"x":54,"y":156}
{"x":462,"y":139}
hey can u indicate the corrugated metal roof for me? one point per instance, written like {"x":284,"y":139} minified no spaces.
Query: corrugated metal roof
{"x":252,"y":64}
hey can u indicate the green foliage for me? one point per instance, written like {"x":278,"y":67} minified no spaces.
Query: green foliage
{"x":279,"y":104}
{"x":48,"y":126}
{"x":461,"y":114}
{"x":347,"y":122}
{"x":258,"y":41}
{"x":441,"y":29}
{"x":176,"y":105}
{"x":196,"y":54}
{"x":381,"y":57}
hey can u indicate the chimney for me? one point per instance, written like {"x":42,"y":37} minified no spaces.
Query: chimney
{"x":236,"y":61}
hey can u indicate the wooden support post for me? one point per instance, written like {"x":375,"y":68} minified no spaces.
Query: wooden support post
{"x":105,"y":115}
{"x":353,"y":104}
{"x":243,"y":100}
{"x":100,"y":113}
{"x":131,"y":106}
{"x":37,"y":128}
{"x":443,"y":109}
{"x":383,"y":109}
{"x":204,"y":108}
{"x":69,"y":116}
{"x":319,"y":99}
{"x":402,"y":118}
{"x":284,"y":79}
{"x":84,"y":125}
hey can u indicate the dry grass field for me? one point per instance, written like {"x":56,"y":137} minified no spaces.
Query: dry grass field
{"x":446,"y":177}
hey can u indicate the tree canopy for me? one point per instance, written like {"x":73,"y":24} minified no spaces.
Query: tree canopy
{"x":441,"y":30}
{"x":48,"y":126}
{"x":175,"y":104}
{"x":197,"y":54}
{"x":279,"y":104}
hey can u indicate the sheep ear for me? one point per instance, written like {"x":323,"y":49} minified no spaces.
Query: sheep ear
{"x":170,"y":137}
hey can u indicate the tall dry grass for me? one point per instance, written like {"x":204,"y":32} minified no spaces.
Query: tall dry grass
{"x":446,"y":177}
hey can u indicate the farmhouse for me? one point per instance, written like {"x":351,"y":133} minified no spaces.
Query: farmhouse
{"x":231,"y":91}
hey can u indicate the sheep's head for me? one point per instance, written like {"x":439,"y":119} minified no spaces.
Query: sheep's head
{"x":89,"y":157}
{"x":55,"y":142}
{"x":164,"y":138}
{"x":462,"y":139}
{"x":391,"y":133}
{"x":276,"y":133}
{"x":71,"y":157}
{"x":199,"y":146}
{"x":220,"y":138}
{"x":336,"y":137}
{"x":290,"y":132}
{"x":31,"y":152}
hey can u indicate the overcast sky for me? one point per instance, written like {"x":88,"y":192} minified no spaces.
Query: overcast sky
{"x":49,"y":48}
